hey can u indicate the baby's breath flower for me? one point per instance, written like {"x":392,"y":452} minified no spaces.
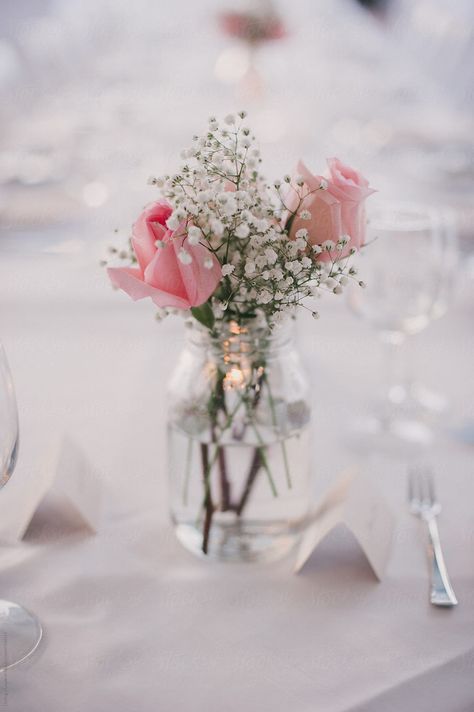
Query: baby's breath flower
{"x":194,"y":235}
{"x":271,"y":255}
{"x":229,"y":207}
{"x":242,"y":230}
{"x":301,"y":233}
{"x":185,"y":257}
{"x":172,"y":223}
{"x":294,"y":267}
{"x":264,"y":297}
{"x":217,"y":228}
{"x":249,"y":267}
{"x":227,"y":269}
{"x":305,"y":215}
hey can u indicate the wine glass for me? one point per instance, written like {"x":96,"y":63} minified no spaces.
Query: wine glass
{"x":20,"y":631}
{"x":409,"y":266}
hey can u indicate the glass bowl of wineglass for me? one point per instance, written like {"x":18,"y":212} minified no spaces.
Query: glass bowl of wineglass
{"x":20,"y":630}
{"x":409,"y":267}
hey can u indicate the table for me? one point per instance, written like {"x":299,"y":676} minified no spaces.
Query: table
{"x":132,"y":621}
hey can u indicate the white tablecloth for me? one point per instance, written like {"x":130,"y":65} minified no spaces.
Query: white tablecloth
{"x":132,"y":621}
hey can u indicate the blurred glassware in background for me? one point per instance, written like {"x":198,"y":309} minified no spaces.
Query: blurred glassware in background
{"x":410,"y":272}
{"x":20,"y":631}
{"x":253,"y":24}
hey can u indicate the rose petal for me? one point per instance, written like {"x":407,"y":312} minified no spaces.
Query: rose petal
{"x":149,"y":227}
{"x":164,"y":273}
{"x":130,"y":280}
{"x":199,"y":281}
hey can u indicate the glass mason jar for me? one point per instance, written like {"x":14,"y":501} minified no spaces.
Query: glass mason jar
{"x":238,"y":442}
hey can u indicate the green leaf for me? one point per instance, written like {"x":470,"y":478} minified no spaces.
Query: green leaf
{"x":204,"y":314}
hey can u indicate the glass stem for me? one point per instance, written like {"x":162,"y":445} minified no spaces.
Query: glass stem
{"x":398,"y":369}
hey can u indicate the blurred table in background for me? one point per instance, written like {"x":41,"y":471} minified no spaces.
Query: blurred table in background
{"x":98,"y":95}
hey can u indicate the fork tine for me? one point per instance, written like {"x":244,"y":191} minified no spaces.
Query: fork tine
{"x":425,"y":489}
{"x":415,"y":487}
{"x":431,"y":487}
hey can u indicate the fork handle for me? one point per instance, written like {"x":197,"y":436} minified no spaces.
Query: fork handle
{"x":442,"y":593}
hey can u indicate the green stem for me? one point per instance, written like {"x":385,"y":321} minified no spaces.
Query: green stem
{"x":263,"y":457}
{"x":208,"y":504}
{"x":282,"y":442}
{"x":252,"y":474}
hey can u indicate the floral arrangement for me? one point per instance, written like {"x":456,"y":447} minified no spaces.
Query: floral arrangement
{"x":252,"y":27}
{"x":224,"y":244}
{"x":231,"y":251}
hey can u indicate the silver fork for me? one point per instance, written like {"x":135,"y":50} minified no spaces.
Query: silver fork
{"x":423,"y":504}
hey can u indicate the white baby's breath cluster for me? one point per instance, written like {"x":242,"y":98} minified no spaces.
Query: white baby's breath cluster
{"x":226,"y":205}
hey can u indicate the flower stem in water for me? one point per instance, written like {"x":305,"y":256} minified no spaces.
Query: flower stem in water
{"x":208,"y":505}
{"x":282,"y":442}
{"x":253,"y":472}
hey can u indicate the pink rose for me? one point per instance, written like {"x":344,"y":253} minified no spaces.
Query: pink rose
{"x":337,"y":210}
{"x":161,"y":274}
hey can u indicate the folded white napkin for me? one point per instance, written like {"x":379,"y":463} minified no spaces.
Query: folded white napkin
{"x":63,"y":486}
{"x":355,"y":503}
